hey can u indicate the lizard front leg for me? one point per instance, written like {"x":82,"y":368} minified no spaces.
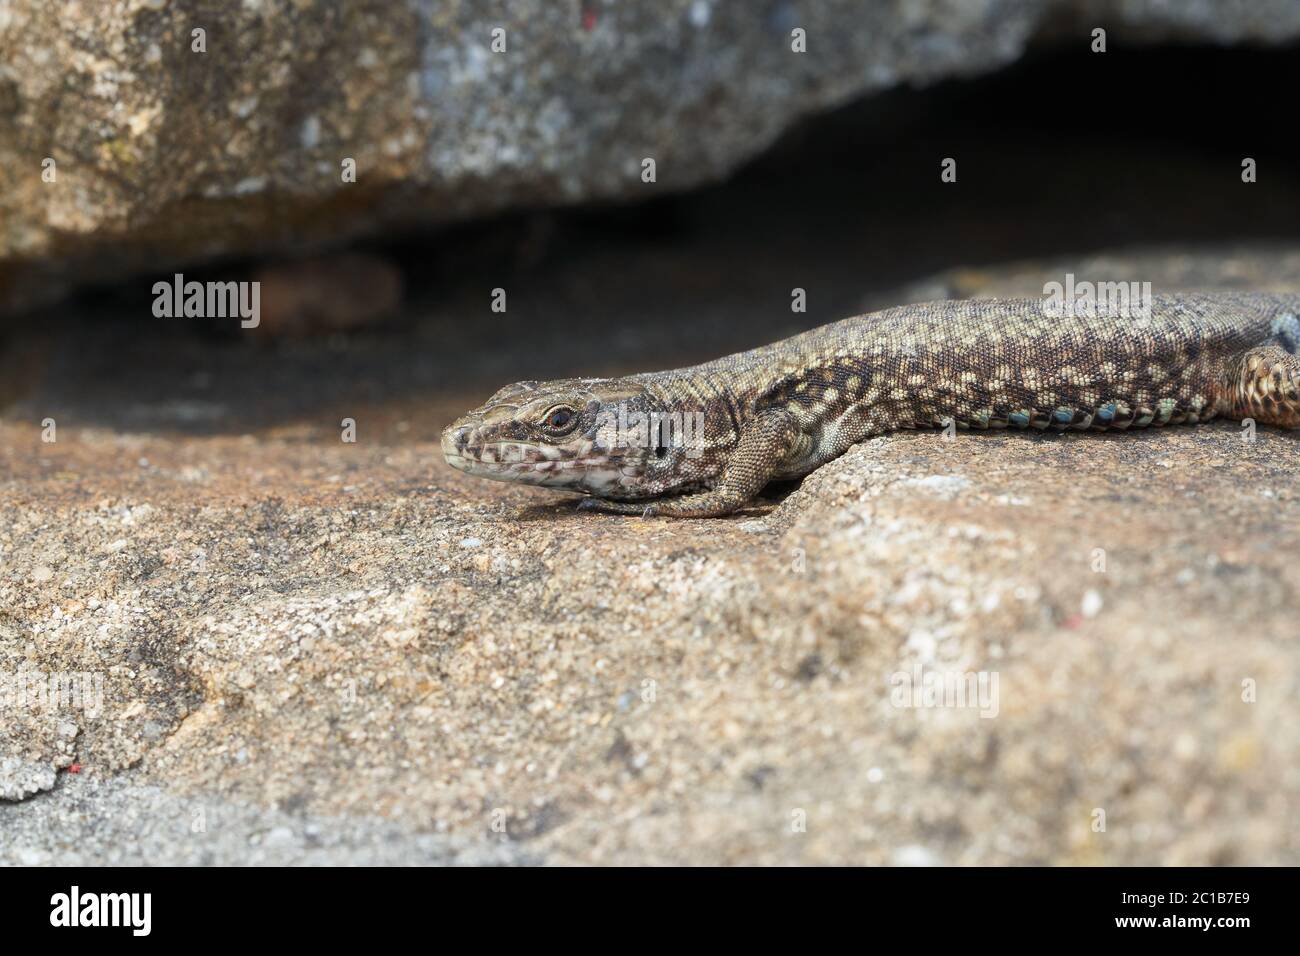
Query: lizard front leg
{"x":1266,"y":387}
{"x":765,"y":442}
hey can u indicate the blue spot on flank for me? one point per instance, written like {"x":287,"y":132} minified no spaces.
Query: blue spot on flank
{"x":1106,"y":412}
{"x":1063,"y":415}
{"x":1018,"y":418}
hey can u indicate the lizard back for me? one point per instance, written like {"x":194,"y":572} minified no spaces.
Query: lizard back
{"x":1000,"y":363}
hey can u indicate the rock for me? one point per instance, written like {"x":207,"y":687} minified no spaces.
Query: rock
{"x":913,"y":855}
{"x":36,"y":734}
{"x":127,"y":821}
{"x":382,"y":660}
{"x":140,"y":136}
{"x":20,"y":779}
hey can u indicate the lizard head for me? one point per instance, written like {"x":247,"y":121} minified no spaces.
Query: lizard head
{"x":609,"y":437}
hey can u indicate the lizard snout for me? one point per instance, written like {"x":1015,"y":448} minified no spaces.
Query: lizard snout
{"x":458,"y":436}
{"x":455,"y":441}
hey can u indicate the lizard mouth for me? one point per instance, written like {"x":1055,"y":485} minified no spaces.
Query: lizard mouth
{"x":579,"y":465}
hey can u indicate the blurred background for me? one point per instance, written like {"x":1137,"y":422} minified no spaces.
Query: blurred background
{"x":349,"y":653}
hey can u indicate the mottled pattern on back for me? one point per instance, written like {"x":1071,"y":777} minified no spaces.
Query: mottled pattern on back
{"x":1003,"y":363}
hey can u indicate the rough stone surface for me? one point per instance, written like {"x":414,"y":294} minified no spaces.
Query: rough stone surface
{"x":164,"y":155}
{"x":128,"y":823}
{"x":20,"y":778}
{"x":334,"y":652}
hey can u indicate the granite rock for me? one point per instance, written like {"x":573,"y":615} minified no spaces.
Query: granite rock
{"x":130,"y":142}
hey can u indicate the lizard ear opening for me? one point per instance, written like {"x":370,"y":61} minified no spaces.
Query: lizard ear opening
{"x":660,"y":436}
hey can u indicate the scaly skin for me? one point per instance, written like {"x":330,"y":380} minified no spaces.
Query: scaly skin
{"x":785,"y":409}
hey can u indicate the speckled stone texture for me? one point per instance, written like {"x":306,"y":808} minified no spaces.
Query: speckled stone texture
{"x":324,"y":652}
{"x":167,"y":156}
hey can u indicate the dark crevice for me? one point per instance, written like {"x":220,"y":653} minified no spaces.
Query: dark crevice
{"x":1062,"y":153}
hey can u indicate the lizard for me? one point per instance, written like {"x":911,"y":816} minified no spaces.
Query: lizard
{"x":785,"y":409}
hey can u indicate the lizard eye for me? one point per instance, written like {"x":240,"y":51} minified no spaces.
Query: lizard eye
{"x":559,"y":419}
